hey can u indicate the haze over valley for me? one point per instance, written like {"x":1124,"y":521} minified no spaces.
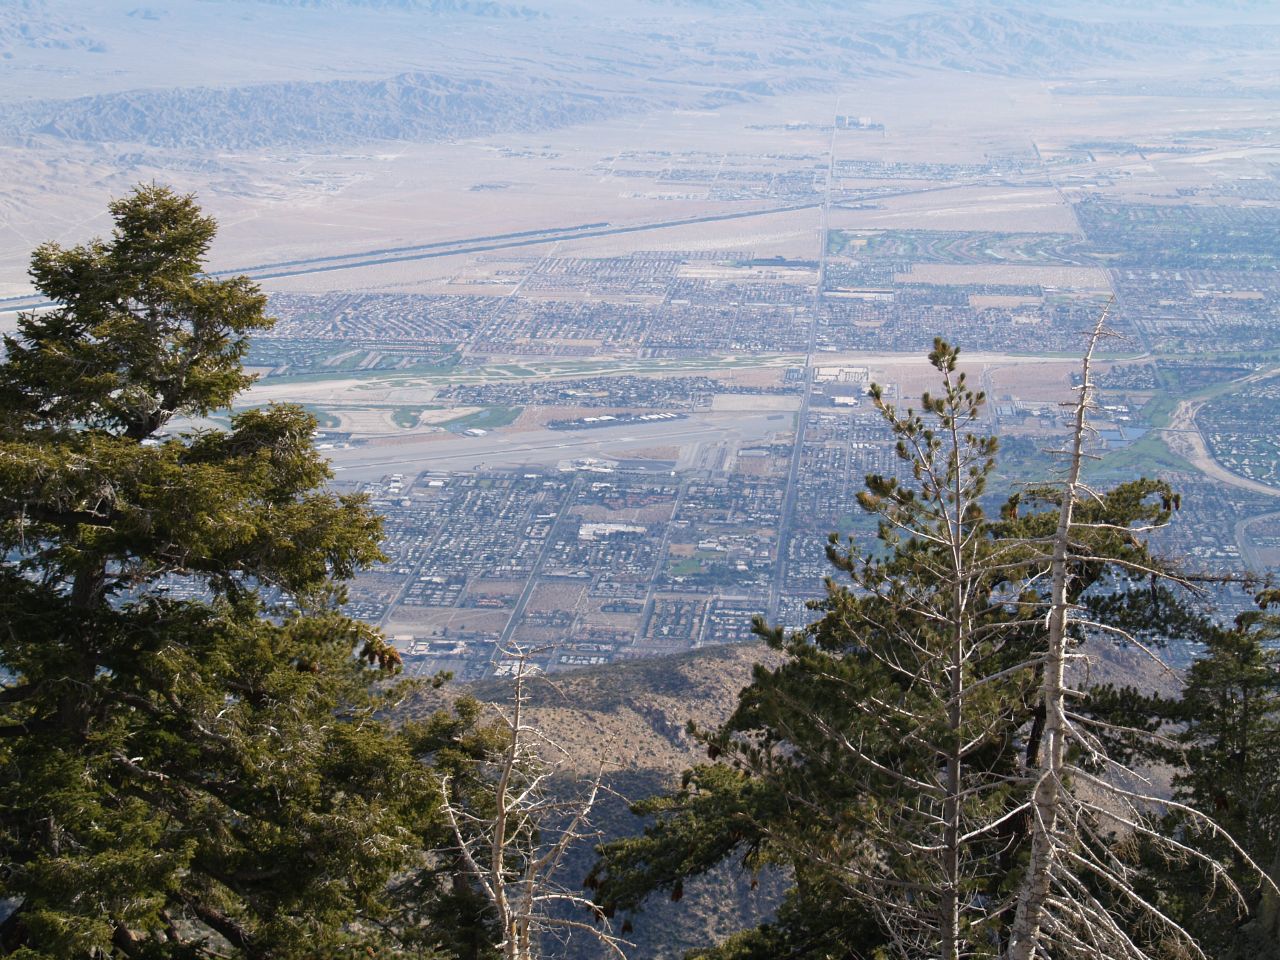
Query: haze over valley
{"x":588,"y":297}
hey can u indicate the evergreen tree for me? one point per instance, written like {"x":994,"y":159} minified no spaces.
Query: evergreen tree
{"x":182,"y":777}
{"x":887,"y":761}
{"x":1230,"y":708}
{"x":1221,"y":739}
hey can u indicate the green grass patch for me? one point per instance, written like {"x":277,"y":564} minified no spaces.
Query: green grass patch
{"x":1150,"y":455}
{"x":352,"y":361}
{"x":1146,"y":457}
{"x":449,"y":372}
{"x":696,"y":564}
{"x":686,"y":567}
{"x":490,"y":418}
{"x":1220,"y":356}
{"x":1159,"y":410}
{"x":442,"y":367}
{"x":407,"y":417}
{"x":324,"y":419}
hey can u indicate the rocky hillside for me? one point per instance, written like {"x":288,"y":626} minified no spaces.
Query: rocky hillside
{"x":30,"y":24}
{"x":634,"y":716}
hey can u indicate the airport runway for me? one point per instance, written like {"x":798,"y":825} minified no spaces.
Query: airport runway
{"x":543,"y":448}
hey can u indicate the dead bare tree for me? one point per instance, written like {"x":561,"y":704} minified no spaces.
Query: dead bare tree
{"x":513,"y":839}
{"x":1046,"y":803}
{"x":938,"y":679}
{"x":1079,"y":896}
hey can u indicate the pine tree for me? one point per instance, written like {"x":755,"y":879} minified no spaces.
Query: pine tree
{"x":1230,"y":709}
{"x":887,"y":761}
{"x":181,"y":777}
{"x":1221,"y":739}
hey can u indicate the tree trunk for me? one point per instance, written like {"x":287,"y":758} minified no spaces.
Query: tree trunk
{"x":1046,"y":799}
{"x":74,"y":704}
{"x":951,"y":813}
{"x":1266,"y":922}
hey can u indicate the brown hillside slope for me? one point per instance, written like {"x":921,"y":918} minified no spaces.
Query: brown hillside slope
{"x":634,"y":715}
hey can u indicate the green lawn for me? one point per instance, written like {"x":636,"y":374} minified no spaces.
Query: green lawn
{"x":1148,"y":456}
{"x":686,"y":567}
{"x":407,"y":417}
{"x":490,"y":418}
{"x":696,"y":564}
{"x":324,"y":419}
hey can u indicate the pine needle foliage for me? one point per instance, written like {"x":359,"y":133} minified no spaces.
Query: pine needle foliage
{"x":182,"y":777}
{"x":887,"y":763}
{"x":1221,"y":741}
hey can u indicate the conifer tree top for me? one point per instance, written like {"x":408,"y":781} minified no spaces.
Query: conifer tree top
{"x":140,"y":333}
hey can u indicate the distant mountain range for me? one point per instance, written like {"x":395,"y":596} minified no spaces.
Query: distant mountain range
{"x":492,"y":66}
{"x":474,"y":8}
{"x":30,"y":24}
{"x":416,"y":107}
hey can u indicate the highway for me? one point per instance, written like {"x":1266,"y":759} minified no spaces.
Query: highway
{"x":505,"y":241}
{"x":322,"y":265}
{"x":447,"y":248}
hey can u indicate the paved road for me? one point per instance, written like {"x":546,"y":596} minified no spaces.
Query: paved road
{"x":797,"y":450}
{"x":448,"y":248}
{"x":435,"y":251}
{"x":502,"y":648}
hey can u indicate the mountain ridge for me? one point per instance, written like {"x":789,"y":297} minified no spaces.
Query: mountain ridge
{"x":576,"y":77}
